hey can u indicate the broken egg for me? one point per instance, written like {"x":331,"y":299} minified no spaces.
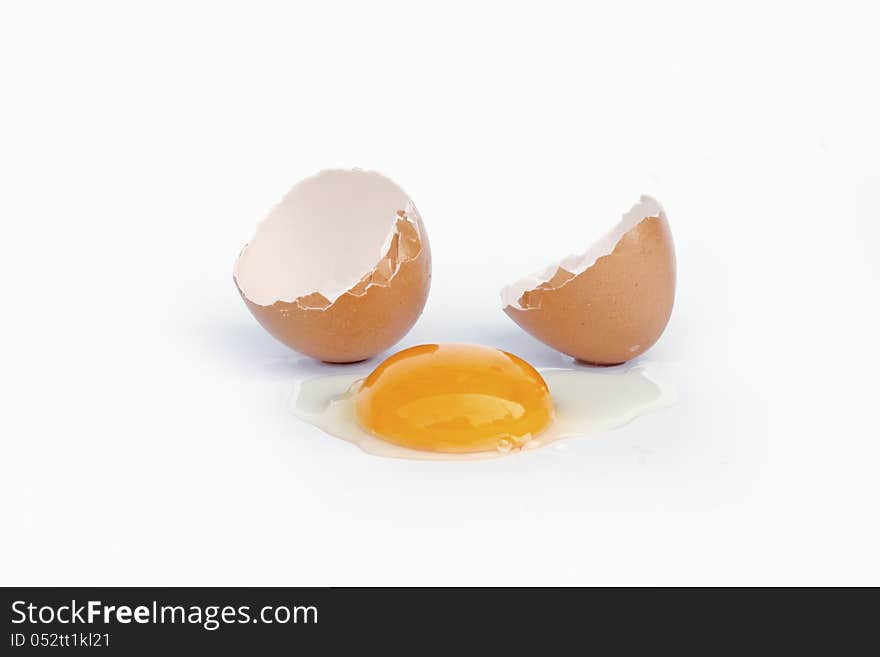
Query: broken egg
{"x":340,"y":269}
{"x":464,"y":401}
{"x":454,"y":398}
{"x":609,"y":304}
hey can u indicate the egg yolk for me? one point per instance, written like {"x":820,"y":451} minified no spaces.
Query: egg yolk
{"x":454,"y":398}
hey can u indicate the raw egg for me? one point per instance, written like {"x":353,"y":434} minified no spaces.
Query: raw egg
{"x":462,"y":401}
{"x":454,"y":398}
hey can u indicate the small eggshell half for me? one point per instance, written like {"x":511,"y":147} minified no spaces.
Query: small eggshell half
{"x":340,"y":270}
{"x":610,"y":304}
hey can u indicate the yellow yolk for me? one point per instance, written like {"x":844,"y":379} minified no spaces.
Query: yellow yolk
{"x":454,"y":398}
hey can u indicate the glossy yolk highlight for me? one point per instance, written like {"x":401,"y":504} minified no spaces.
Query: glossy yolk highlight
{"x":454,"y":398}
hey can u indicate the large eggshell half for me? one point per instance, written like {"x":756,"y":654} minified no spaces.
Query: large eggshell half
{"x":340,"y":269}
{"x":609,"y":304}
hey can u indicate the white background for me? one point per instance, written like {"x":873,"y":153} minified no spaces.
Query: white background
{"x":145,"y":432}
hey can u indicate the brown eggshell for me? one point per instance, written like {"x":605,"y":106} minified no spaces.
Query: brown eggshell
{"x":615,"y":309}
{"x":340,"y":269}
{"x":360,"y":323}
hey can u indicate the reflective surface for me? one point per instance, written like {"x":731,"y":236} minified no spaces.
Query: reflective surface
{"x":454,"y":398}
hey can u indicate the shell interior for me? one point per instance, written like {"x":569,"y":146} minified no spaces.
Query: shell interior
{"x":554,"y":276}
{"x":335,"y":232}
